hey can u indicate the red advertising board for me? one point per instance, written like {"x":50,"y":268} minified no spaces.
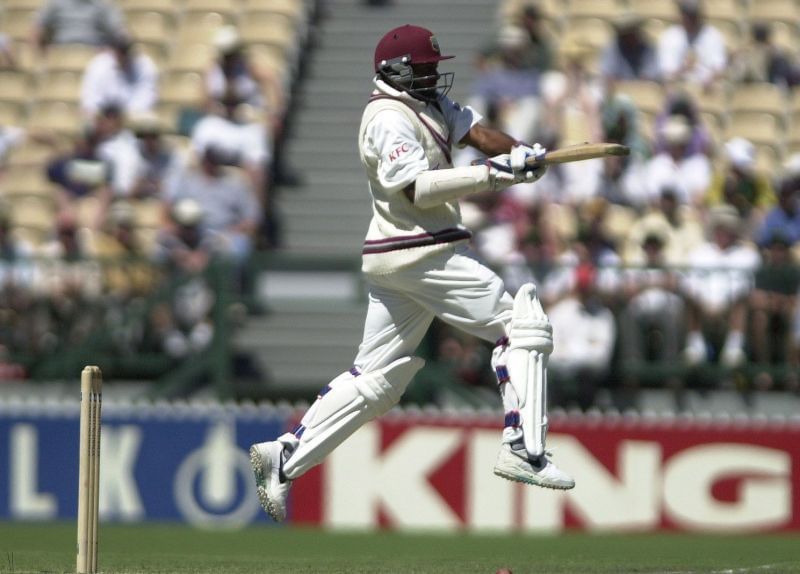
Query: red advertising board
{"x":633,"y":474}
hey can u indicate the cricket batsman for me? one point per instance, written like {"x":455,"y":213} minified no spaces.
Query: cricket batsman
{"x":418,"y":266}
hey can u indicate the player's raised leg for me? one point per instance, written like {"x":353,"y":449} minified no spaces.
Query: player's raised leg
{"x":342,"y":407}
{"x":521,"y":367}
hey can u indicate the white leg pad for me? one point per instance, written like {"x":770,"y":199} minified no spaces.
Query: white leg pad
{"x":349,"y":401}
{"x":529,"y":348}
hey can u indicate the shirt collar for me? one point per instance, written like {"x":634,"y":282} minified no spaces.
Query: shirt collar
{"x":383,"y":88}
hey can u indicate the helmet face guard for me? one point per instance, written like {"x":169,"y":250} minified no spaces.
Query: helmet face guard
{"x":406,"y":58}
{"x":423,"y":86}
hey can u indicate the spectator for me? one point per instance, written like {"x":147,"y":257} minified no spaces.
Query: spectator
{"x":572,"y":113}
{"x":717,"y":286}
{"x":692,"y":51}
{"x":118,"y":146}
{"x":677,"y":223}
{"x":10,"y":138}
{"x":77,"y":22}
{"x":652,"y":321}
{"x":232,"y":73}
{"x":508,"y":88}
{"x":584,"y":333}
{"x":71,"y":281}
{"x":8,"y":56}
{"x":534,"y":45}
{"x":119,"y":76}
{"x":784,"y":218}
{"x":183,"y":325}
{"x":591,"y":247}
{"x":80,"y":173}
{"x":537,"y":241}
{"x":739,"y":184}
{"x":159,"y":164}
{"x":773,"y":307}
{"x":629,"y":55}
{"x":621,"y":181}
{"x":16,"y":265}
{"x":763,"y":61}
{"x":118,"y":249}
{"x":687,"y":174}
{"x":682,"y":104}
{"x":540,"y":54}
{"x":231,"y":211}
{"x":234,"y":132}
{"x":18,"y":324}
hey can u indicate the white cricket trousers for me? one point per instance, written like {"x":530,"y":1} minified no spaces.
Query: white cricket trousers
{"x":451,"y":285}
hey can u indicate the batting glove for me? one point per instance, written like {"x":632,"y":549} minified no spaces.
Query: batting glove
{"x":518,"y":160}
{"x":500,"y":173}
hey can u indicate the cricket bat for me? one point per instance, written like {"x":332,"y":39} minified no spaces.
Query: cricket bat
{"x":580,"y":152}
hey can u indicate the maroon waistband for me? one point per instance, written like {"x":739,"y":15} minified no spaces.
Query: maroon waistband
{"x":420,"y":240}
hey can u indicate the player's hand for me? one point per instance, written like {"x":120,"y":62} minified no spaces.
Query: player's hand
{"x":500,"y":173}
{"x":518,"y":160}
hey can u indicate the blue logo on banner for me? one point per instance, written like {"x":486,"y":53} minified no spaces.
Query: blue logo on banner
{"x":157,"y":463}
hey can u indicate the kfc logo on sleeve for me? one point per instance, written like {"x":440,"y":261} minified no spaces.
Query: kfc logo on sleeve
{"x":398,"y":151}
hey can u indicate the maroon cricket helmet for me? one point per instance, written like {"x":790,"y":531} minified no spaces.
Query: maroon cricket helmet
{"x":414,"y":42}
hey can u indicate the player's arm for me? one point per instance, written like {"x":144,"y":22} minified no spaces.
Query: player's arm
{"x":488,"y":140}
{"x":506,"y":166}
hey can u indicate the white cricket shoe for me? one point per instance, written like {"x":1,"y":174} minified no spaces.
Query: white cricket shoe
{"x":514,"y":464}
{"x":265,"y":458}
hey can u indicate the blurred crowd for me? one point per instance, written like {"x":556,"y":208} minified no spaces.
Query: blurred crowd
{"x":675,"y":265}
{"x":131,"y":161}
{"x":141,"y":141}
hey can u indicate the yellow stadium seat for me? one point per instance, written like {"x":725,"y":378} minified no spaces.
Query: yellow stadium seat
{"x":767,"y":159}
{"x":23,"y":4}
{"x":760,"y":128}
{"x":59,"y":118}
{"x":87,"y":209}
{"x":595,"y":32}
{"x":228,"y":7}
{"x":199,"y":28}
{"x":58,"y":87}
{"x":34,"y":214}
{"x":32,"y":154}
{"x":148,"y":213}
{"x":271,"y":59}
{"x":27,"y":58}
{"x":659,"y":9}
{"x":731,"y":31}
{"x":654,"y":27}
{"x":26,"y":180}
{"x":594,"y":9}
{"x":709,"y":102}
{"x":648,"y":96}
{"x":17,"y":23}
{"x":262,"y":28}
{"x":646,"y":122}
{"x":785,"y":36}
{"x":68,"y":57}
{"x":775,"y":10}
{"x":184,"y":88}
{"x":728,"y":9}
{"x":168,"y":9}
{"x":14,"y":86}
{"x":189,"y":58}
{"x":793,"y":135}
{"x":148,"y":26}
{"x":759,"y":97}
{"x":156,"y":50}
{"x":12,"y":113}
